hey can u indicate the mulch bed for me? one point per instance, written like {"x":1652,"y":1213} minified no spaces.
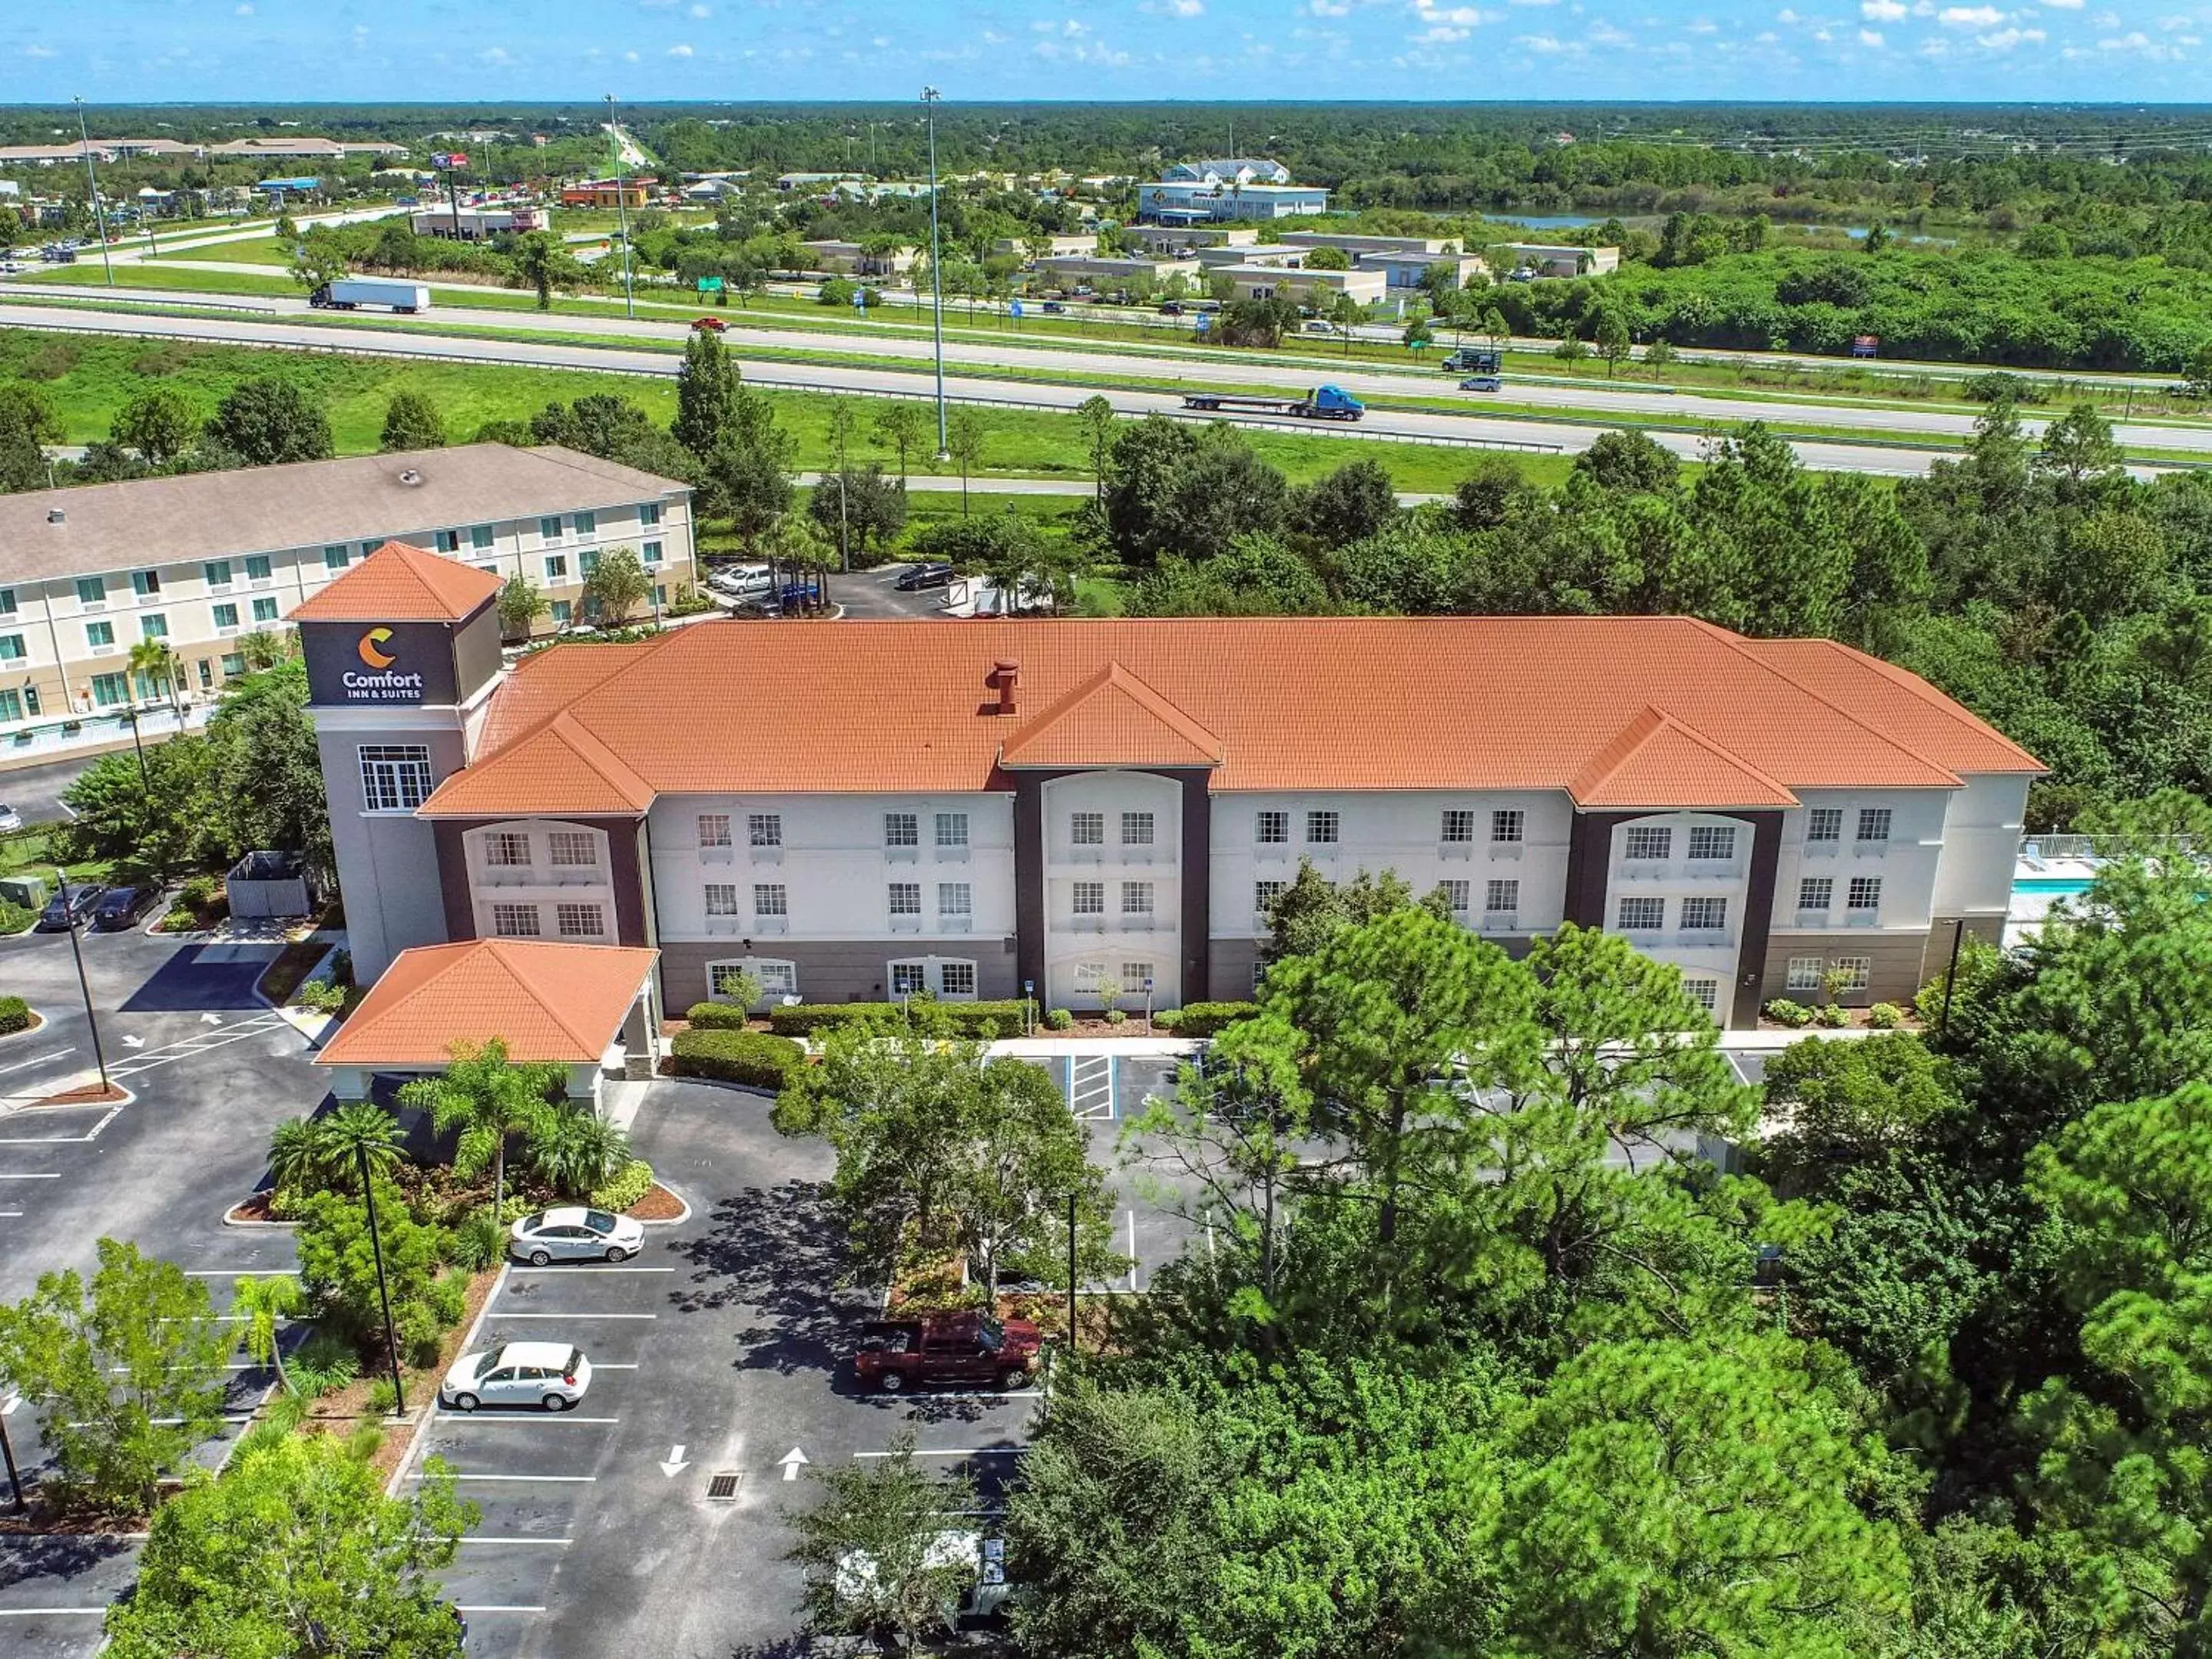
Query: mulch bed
{"x":1093,"y":1026}
{"x":292,"y":964}
{"x":255,"y":1208}
{"x":91,"y":1095}
{"x":658,"y":1204}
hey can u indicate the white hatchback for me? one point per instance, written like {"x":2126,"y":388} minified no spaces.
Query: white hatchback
{"x":550,"y":1374}
{"x":573,"y":1233}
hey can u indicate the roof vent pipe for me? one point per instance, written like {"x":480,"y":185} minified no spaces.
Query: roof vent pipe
{"x":1008,"y":676}
{"x":57,"y":515}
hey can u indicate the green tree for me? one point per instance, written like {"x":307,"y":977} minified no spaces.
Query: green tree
{"x":1349,"y":504}
{"x":542,"y":265}
{"x":705,"y":388}
{"x":617,"y":586}
{"x":1328,"y":258}
{"x":487,"y":1097}
{"x":1095,"y":414}
{"x":903,"y":425}
{"x":337,"y":1268}
{"x":574,"y":1149}
{"x":2198,"y":375}
{"x":963,"y":442}
{"x":748,"y":477}
{"x":874,"y":1548}
{"x":295,"y":1549}
{"x":318,"y":261}
{"x":126,"y":1380}
{"x":412,"y":421}
{"x":268,"y":420}
{"x":260,"y":1304}
{"x":268,"y":769}
{"x":1612,"y":338}
{"x":1418,"y":336}
{"x":1839,"y":1105}
{"x":2078,"y":451}
{"x":1630,"y":462}
{"x":159,"y":425}
{"x":522,"y":602}
{"x":161,"y":818}
{"x":868,"y":507}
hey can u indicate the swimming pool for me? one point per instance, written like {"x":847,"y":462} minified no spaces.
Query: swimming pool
{"x":2051,"y":885}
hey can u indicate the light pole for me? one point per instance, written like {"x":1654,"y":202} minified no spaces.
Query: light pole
{"x":14,"y":1480}
{"x":621,"y":210}
{"x":929,"y":97}
{"x":92,"y":178}
{"x":1071,"y":1274}
{"x":383,"y":1291}
{"x":76,"y":949}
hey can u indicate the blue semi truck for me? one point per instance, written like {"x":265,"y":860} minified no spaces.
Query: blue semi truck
{"x":1323,"y":402}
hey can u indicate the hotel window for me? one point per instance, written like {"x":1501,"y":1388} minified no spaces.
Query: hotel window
{"x":91,"y":590}
{"x":1642,"y":916}
{"x":338,"y":557}
{"x":216,"y":572}
{"x":1271,"y":829}
{"x":257,"y":567}
{"x":902,"y":829}
{"x":763,"y":828}
{"x":556,"y":566}
{"x":721,"y":898}
{"x":110,"y":690}
{"x":1458,"y":894}
{"x":909,"y":979}
{"x":11,"y":705}
{"x":233,"y":662}
{"x":1711,"y":842}
{"x":1852,"y":973}
{"x":727,"y":979}
{"x":1648,"y":843}
{"x":395,"y":777}
{"x":448,"y":541}
{"x":1500,"y":896}
{"x":1265,"y":893}
{"x":1459,"y":826}
{"x":771,"y":899}
{"x":562,"y":611}
{"x":514,"y":922}
{"x":480,"y":537}
{"x":1873,"y":823}
{"x":951,"y":829}
{"x":649,"y":514}
{"x":587,"y":562}
{"x":650,"y":553}
{"x":1087,"y":829}
{"x":1090,"y":898}
{"x":1824,"y":824}
{"x":145,"y":583}
{"x":579,"y":921}
{"x":573,"y":849}
{"x":713,"y":829}
{"x":264,"y":611}
{"x":226,"y":616}
{"x":1705,"y":914}
{"x":1816,"y":892}
{"x":548,"y":529}
{"x":1134,"y":974}
{"x":1136,"y":898}
{"x":955,"y":898}
{"x":100,"y":635}
{"x":1136,"y":828}
{"x":155,"y":627}
{"x":1322,"y":827}
{"x":11,"y":648}
{"x":1511,"y":824}
{"x":507,"y":848}
{"x":956,"y":979}
{"x":7,"y":606}
{"x":1804,"y":974}
{"x":1864,"y":894}
{"x":207,"y":675}
{"x":1706,"y":993}
{"x":587,"y":524}
{"x":905,"y":898}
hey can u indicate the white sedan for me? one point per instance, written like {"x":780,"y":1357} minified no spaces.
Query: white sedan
{"x":550,"y":1374}
{"x":573,"y":1233}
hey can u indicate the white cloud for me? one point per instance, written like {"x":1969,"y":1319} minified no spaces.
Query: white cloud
{"x":702,"y":11}
{"x":1534,"y":3}
{"x":1604,"y":35}
{"x":1542,"y":43}
{"x":2006,"y":39}
{"x":1705,"y":25}
{"x":1440,"y":35}
{"x":1329,"y":8}
{"x":1869,"y":37}
{"x":1970,"y":17}
{"x":879,"y":41}
{"x":1461,"y":18}
{"x":2065,"y":5}
{"x":1786,"y":16}
{"x":243,"y":11}
{"x":495,"y":55}
{"x":630,"y":58}
{"x":2135,"y":41}
{"x":38,"y":52}
{"x":679,"y":51}
{"x":1174,"y":8}
{"x":1881,"y":11}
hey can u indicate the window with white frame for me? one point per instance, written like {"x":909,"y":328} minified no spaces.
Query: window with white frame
{"x":763,"y":828}
{"x":1863,"y":893}
{"x":713,"y":829}
{"x":264,"y":611}
{"x":1134,"y":973}
{"x":587,"y":524}
{"x":505,"y":848}
{"x":580,"y":921}
{"x":1088,"y":974}
{"x":1706,"y":993}
{"x":771,"y":899}
{"x":951,"y":829}
{"x":1873,"y":823}
{"x":1136,"y":828}
{"x":1641,"y":916}
{"x":1088,"y":899}
{"x":1712,"y":841}
{"x":1508,"y":824}
{"x":902,"y":829}
{"x":1458,"y":894}
{"x":1644,"y":841}
{"x":648,"y":514}
{"x":573,"y":849}
{"x":1816,"y":892}
{"x":1824,"y":824}
{"x":562,"y":613}
{"x":909,"y":979}
{"x":1265,"y":893}
{"x":556,"y":566}
{"x":338,"y":557}
{"x":1086,"y":828}
{"x":480,"y":537}
{"x":955,"y":898}
{"x":395,"y":777}
{"x":548,"y":529}
{"x":449,"y":541}
{"x":1704,"y":915}
{"x":100,"y":635}
{"x":1323,"y":829}
{"x":514,"y":922}
{"x":905,"y":898}
{"x":776,"y":979}
{"x":1458,"y":825}
{"x":955,"y":978}
{"x":1136,"y":898}
{"x":1271,"y":829}
{"x":1852,"y":973}
{"x":1804,"y":974}
{"x":1501,"y":897}
{"x":721,"y":898}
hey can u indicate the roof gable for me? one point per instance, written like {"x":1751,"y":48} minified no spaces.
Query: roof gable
{"x":1656,"y":760}
{"x":546,"y":1001}
{"x":560,"y":762}
{"x":1112,"y":718}
{"x":400,"y":583}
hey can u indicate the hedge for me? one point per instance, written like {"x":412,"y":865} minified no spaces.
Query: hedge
{"x":971,"y":1019}
{"x":1205,"y":1020}
{"x":752,"y":1058}
{"x":717,"y":1017}
{"x":15,"y":1015}
{"x":628,"y":1185}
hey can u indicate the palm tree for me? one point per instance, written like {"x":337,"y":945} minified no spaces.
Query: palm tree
{"x":575,"y":1151}
{"x":486,"y":1098}
{"x":298,"y":1156}
{"x":261,"y":1302}
{"x":358,"y":1131}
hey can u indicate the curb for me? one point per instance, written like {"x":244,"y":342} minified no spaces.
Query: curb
{"x":673,"y":1220}
{"x":430,"y":1409}
{"x":39,"y":1023}
{"x":47,"y":1103}
{"x":246,"y":1226}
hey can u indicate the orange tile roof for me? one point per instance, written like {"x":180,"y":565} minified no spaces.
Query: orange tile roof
{"x":399,"y":583}
{"x":548,"y":1001}
{"x":1447,"y":702}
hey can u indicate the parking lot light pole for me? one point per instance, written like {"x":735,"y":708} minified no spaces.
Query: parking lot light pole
{"x":92,"y":178}
{"x":14,"y":1480}
{"x":383,"y":1291}
{"x":76,"y":949}
{"x":621,"y":210}
{"x":1071,"y":1274}
{"x":929,"y":97}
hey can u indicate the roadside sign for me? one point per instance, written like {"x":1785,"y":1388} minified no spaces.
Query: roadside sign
{"x":859,"y":298}
{"x":1206,"y":322}
{"x":710,"y":285}
{"x":1014,"y":307}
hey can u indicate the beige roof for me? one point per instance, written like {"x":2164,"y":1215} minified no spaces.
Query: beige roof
{"x":263,"y":509}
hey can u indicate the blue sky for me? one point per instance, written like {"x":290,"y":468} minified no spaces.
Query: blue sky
{"x":334,"y":50}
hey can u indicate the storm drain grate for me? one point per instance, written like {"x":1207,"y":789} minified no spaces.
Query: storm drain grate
{"x":724,"y":1487}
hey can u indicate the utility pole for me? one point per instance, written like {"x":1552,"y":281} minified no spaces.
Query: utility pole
{"x":92,"y":178}
{"x":1071,"y":1274}
{"x":929,"y":97}
{"x":83,"y":984}
{"x":383,"y":1291}
{"x":621,"y":210}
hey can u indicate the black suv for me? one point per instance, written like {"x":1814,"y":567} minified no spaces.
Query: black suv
{"x":925,"y":575}
{"x":120,"y":907}
{"x":72,"y":905}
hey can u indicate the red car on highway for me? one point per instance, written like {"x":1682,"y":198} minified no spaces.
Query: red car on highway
{"x":977,"y":1350}
{"x":712,"y":324}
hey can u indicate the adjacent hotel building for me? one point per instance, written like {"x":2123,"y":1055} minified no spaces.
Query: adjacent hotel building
{"x":199,"y":562}
{"x":865,"y":810}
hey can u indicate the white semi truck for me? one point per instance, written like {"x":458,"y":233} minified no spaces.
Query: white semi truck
{"x":347,"y":292}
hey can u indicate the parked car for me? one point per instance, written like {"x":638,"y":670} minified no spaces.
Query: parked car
{"x":712,"y":324}
{"x":976,"y":1349}
{"x":1482,"y":383}
{"x":1053,"y":308}
{"x":11,"y":819}
{"x":1319,"y":325}
{"x":573,"y":1233}
{"x":1171,"y":308}
{"x":740,"y":581}
{"x":121,"y":906}
{"x":933,"y":574}
{"x":550,"y":1374}
{"x":72,"y":905}
{"x":979,"y":1561}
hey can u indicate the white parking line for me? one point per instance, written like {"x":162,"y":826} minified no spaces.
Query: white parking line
{"x":519,"y":1541}
{"x":47,"y":1612}
{"x":535,"y":1417}
{"x":459,"y":1608}
{"x":982,"y":1394}
{"x":496,"y":1317}
{"x":586,"y":1266}
{"x":51,"y":1174}
{"x":1132,"y":1249}
{"x":35,"y":1060}
{"x":953,"y":1451}
{"x":601,"y":1366}
{"x":523,"y":1479}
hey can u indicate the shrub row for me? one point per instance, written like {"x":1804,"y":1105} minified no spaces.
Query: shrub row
{"x":716,"y":1017}
{"x":630,"y":1184}
{"x":752,"y":1058}
{"x":15,"y":1015}
{"x":973,"y":1019}
{"x":1205,"y":1020}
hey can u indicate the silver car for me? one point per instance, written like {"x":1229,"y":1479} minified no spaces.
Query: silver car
{"x":551,"y":1375}
{"x":574,"y":1233}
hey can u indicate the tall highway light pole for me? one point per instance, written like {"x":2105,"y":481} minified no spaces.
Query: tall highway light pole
{"x":622,"y":211}
{"x":98,"y":218}
{"x":929,"y":97}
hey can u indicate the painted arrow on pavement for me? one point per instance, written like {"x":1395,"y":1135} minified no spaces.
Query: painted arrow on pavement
{"x":791,"y":1461}
{"x":676,"y":1463}
{"x":134,"y":1042}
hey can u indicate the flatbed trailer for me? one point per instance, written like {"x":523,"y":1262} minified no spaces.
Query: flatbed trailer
{"x":1325,"y":402}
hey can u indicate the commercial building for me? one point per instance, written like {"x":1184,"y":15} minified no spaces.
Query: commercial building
{"x":1242,"y":171}
{"x":1055,"y":245}
{"x":1167,"y":202}
{"x":475,"y":224}
{"x":1404,"y":269}
{"x":201,"y":560}
{"x":1019,"y":805}
{"x":852,"y":259}
{"x":304,"y":147}
{"x":1552,"y":259}
{"x":1263,"y":282}
{"x":1181,"y":241}
{"x":102,"y":149}
{"x":1090,"y":270}
{"x":1357,"y":245}
{"x":608,"y":193}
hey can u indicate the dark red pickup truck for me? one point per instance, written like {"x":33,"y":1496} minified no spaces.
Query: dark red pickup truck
{"x":973,"y":1349}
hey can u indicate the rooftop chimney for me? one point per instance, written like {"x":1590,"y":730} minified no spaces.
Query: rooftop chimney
{"x":56,"y":515}
{"x":1008,"y":675}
